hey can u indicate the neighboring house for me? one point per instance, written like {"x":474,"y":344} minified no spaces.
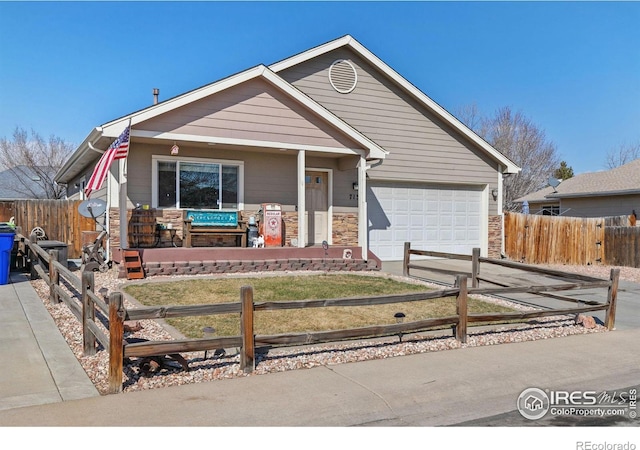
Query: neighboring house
{"x":14,"y":187}
{"x":355,"y":154}
{"x":614,"y":192}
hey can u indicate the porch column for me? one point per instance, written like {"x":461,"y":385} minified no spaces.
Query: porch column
{"x":302,"y":223}
{"x":363,"y":220}
{"x":122,"y":175}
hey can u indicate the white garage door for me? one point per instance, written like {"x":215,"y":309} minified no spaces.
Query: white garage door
{"x":437,"y":219}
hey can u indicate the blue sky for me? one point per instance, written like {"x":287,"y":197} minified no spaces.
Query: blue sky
{"x":572,"y":68}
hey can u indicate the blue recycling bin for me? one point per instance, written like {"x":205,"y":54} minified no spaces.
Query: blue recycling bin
{"x":7,"y":235}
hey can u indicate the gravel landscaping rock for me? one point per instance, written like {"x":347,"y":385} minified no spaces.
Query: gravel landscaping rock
{"x":221,"y":366}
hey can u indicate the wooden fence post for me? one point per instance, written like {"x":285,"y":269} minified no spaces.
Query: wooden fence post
{"x":405,"y":264}
{"x":475,"y":267}
{"x":116,"y":344}
{"x":461,"y":309}
{"x":54,"y":277}
{"x":525,"y":245}
{"x":612,"y":296}
{"x":88,"y":314}
{"x":247,"y":355}
{"x":33,"y":257}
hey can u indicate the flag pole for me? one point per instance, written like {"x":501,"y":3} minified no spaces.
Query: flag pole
{"x":122,"y":198}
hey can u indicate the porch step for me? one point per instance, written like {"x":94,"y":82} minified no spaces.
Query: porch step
{"x":133,"y":264}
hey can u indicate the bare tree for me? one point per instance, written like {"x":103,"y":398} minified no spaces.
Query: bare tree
{"x":621,"y":155}
{"x":470,"y":116}
{"x":518,"y":138}
{"x":34,"y":163}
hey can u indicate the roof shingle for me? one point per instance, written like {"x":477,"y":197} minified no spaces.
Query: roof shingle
{"x":618,"y":181}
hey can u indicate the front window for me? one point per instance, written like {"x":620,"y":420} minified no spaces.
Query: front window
{"x":197,"y":184}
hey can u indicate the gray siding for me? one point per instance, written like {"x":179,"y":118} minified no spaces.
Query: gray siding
{"x":422,"y":148}
{"x":605,"y":206}
{"x":73,"y":193}
{"x":600,"y":206}
{"x":536,"y":207}
{"x":269,"y":177}
{"x":254,"y":110}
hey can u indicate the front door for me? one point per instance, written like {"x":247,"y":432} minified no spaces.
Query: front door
{"x":316,"y":200}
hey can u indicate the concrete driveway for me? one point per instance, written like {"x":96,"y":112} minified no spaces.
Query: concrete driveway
{"x":628,"y":301}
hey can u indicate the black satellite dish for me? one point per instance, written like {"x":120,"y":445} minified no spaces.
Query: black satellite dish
{"x":92,"y":208}
{"x":553,"y":182}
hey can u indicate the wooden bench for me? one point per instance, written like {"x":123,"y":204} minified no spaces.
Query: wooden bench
{"x":214,"y":223}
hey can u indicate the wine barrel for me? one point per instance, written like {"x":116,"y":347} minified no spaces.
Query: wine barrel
{"x":142,"y":228}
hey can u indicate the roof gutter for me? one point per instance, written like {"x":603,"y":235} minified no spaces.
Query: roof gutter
{"x":593,"y":194}
{"x":83,"y":148}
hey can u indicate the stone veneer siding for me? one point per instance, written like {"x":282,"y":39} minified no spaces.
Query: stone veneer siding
{"x":345,"y":229}
{"x":163,"y":217}
{"x":345,"y":226}
{"x":495,"y":237}
{"x":345,"y":232}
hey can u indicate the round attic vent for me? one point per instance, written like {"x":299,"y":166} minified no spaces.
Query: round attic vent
{"x":343,"y":76}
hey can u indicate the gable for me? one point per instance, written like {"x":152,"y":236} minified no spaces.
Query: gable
{"x":419,"y":142}
{"x":192,"y":113}
{"x":252,"y":111}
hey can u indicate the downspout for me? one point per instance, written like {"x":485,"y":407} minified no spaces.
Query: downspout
{"x":97,"y":150}
{"x":107,"y":218}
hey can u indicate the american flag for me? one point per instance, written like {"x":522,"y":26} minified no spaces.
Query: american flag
{"x":118,"y":150}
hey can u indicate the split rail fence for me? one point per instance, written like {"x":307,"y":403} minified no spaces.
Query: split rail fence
{"x":103,"y":321}
{"x":501,"y":287}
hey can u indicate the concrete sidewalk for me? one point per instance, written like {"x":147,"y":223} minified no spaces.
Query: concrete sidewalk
{"x":38,"y":365}
{"x":442,"y":388}
{"x":42,"y":383}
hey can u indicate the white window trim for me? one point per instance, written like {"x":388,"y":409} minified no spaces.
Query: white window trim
{"x":155,"y":159}
{"x":82,"y":183}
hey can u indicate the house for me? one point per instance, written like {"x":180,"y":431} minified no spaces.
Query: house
{"x":20,"y":183}
{"x":355,"y":155}
{"x":614,"y":192}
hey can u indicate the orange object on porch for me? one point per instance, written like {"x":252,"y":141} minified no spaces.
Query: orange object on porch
{"x":271,"y":224}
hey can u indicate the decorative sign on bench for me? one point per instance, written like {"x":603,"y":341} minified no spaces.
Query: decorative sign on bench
{"x":214,"y":223}
{"x":213,"y":218}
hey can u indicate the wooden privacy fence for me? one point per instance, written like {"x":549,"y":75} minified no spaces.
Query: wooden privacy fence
{"x":537,"y":239}
{"x":60,"y":220}
{"x":7,"y":211}
{"x":622,"y":246}
{"x":103,"y":322}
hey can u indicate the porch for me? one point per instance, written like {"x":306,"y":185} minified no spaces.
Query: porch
{"x":218,"y":260}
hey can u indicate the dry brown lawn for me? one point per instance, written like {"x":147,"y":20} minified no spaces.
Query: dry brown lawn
{"x":296,"y":287}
